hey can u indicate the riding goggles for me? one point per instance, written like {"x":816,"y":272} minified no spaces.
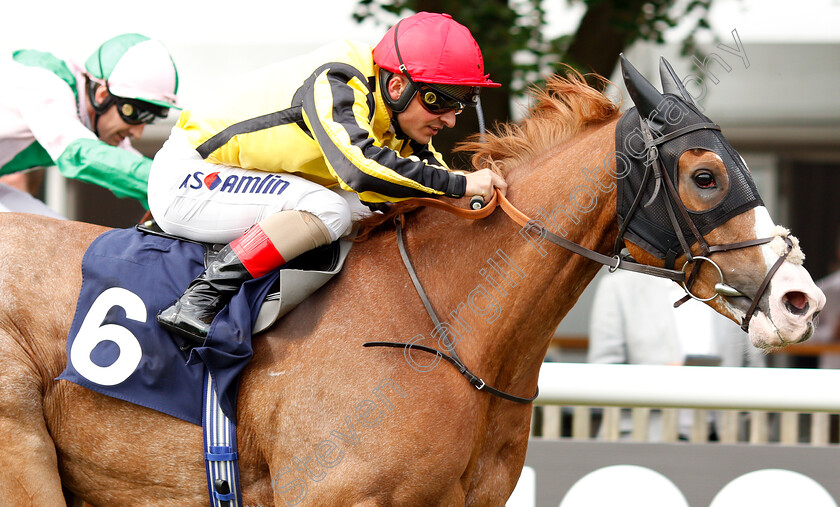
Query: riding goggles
{"x":437,"y":101}
{"x":136,"y":112}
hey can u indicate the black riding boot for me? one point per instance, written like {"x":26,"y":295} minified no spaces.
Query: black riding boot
{"x":191,"y":315}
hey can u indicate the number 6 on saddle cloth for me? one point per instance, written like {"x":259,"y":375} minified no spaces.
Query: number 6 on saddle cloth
{"x":116,"y":347}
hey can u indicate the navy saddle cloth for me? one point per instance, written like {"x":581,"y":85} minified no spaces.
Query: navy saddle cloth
{"x":117,"y":348}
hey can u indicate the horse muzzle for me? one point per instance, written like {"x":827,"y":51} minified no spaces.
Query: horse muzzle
{"x":793,"y":303}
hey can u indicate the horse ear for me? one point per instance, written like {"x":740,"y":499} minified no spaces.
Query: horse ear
{"x":671,"y":82}
{"x":644,"y":95}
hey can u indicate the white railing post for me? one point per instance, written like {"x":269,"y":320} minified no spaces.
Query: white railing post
{"x":738,"y":393}
{"x":714,"y":388}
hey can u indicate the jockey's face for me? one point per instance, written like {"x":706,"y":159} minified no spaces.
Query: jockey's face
{"x":416,"y":121}
{"x":112,"y":129}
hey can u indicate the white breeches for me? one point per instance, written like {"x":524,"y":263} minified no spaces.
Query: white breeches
{"x":216,"y":203}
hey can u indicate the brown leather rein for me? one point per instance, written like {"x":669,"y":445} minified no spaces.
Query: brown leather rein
{"x":615,"y":262}
{"x":452,"y":357}
{"x":623,"y":262}
{"x":498,"y":200}
{"x":535,"y":226}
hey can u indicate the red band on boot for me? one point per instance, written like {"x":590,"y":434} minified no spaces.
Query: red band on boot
{"x":256,"y":252}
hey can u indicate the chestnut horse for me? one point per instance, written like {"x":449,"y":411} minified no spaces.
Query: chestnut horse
{"x":323,"y":420}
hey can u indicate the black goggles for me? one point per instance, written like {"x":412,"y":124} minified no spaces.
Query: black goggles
{"x":136,"y":112}
{"x":438,"y":102}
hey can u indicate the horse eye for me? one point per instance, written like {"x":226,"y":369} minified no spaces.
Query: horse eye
{"x":704,"y":180}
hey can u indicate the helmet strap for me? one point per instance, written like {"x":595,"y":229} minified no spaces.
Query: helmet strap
{"x":398,"y":131}
{"x":99,"y":108}
{"x":403,"y":68}
{"x":399,"y":105}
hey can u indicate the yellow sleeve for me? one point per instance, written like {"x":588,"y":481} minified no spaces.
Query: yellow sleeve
{"x":338,"y":108}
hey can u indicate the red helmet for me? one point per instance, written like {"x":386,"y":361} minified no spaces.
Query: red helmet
{"x":433,"y":48}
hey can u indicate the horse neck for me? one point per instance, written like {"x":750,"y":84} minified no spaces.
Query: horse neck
{"x":501,"y":290}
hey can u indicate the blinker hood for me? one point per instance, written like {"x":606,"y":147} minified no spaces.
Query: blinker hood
{"x":669,"y":113}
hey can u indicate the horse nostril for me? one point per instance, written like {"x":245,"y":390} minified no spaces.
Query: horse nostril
{"x":796,"y":303}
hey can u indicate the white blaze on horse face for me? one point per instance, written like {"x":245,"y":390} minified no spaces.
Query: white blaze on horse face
{"x":793,"y":298}
{"x":764,"y":227}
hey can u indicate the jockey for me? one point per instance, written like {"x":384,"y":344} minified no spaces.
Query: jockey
{"x":81,"y":119}
{"x":254,"y":170}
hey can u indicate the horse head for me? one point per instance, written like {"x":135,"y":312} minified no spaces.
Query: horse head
{"x":686,"y":199}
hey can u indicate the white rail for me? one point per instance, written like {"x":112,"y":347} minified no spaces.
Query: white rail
{"x":770,"y":389}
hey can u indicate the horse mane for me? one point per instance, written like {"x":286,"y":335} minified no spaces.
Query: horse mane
{"x":566,"y":106}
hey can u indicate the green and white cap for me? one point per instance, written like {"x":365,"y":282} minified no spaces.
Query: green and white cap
{"x":136,"y":67}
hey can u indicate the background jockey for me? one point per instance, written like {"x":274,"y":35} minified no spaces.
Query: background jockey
{"x":54,"y":112}
{"x":348,"y":117}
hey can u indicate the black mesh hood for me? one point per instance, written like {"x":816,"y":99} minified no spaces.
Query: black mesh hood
{"x":650,"y":227}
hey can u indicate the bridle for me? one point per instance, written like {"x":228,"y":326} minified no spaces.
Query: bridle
{"x":655,"y":166}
